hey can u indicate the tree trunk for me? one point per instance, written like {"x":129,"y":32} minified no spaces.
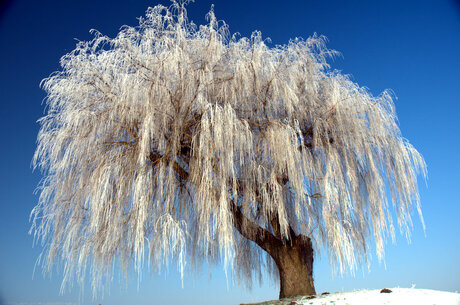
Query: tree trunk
{"x":294,"y":258}
{"x":295,"y":266}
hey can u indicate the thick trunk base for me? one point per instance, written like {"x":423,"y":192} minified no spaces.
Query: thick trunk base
{"x":294,"y":258}
{"x":295,"y":265}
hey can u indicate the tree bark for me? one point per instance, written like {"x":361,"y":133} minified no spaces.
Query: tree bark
{"x":294,"y":257}
{"x":295,"y":265}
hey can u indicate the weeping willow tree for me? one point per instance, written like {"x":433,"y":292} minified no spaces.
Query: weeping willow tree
{"x":178,"y":142}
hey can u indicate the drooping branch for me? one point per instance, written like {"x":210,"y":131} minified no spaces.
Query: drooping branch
{"x":242,"y":224}
{"x":155,"y":157}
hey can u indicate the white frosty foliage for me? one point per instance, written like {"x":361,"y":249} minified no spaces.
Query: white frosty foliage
{"x":151,"y":137}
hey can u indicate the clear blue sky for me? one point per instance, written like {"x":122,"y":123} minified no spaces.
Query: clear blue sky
{"x":412,"y":47}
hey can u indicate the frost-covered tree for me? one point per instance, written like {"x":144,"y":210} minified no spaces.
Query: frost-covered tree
{"x":178,"y":142}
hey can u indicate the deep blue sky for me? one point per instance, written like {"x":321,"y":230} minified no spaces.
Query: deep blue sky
{"x":411,"y":47}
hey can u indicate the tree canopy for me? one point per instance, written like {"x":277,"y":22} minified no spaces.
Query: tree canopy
{"x":154,"y":138}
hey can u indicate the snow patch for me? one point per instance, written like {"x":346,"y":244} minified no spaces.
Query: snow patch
{"x":398,"y":296}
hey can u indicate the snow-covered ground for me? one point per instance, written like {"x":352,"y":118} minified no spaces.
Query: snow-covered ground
{"x":398,"y":296}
